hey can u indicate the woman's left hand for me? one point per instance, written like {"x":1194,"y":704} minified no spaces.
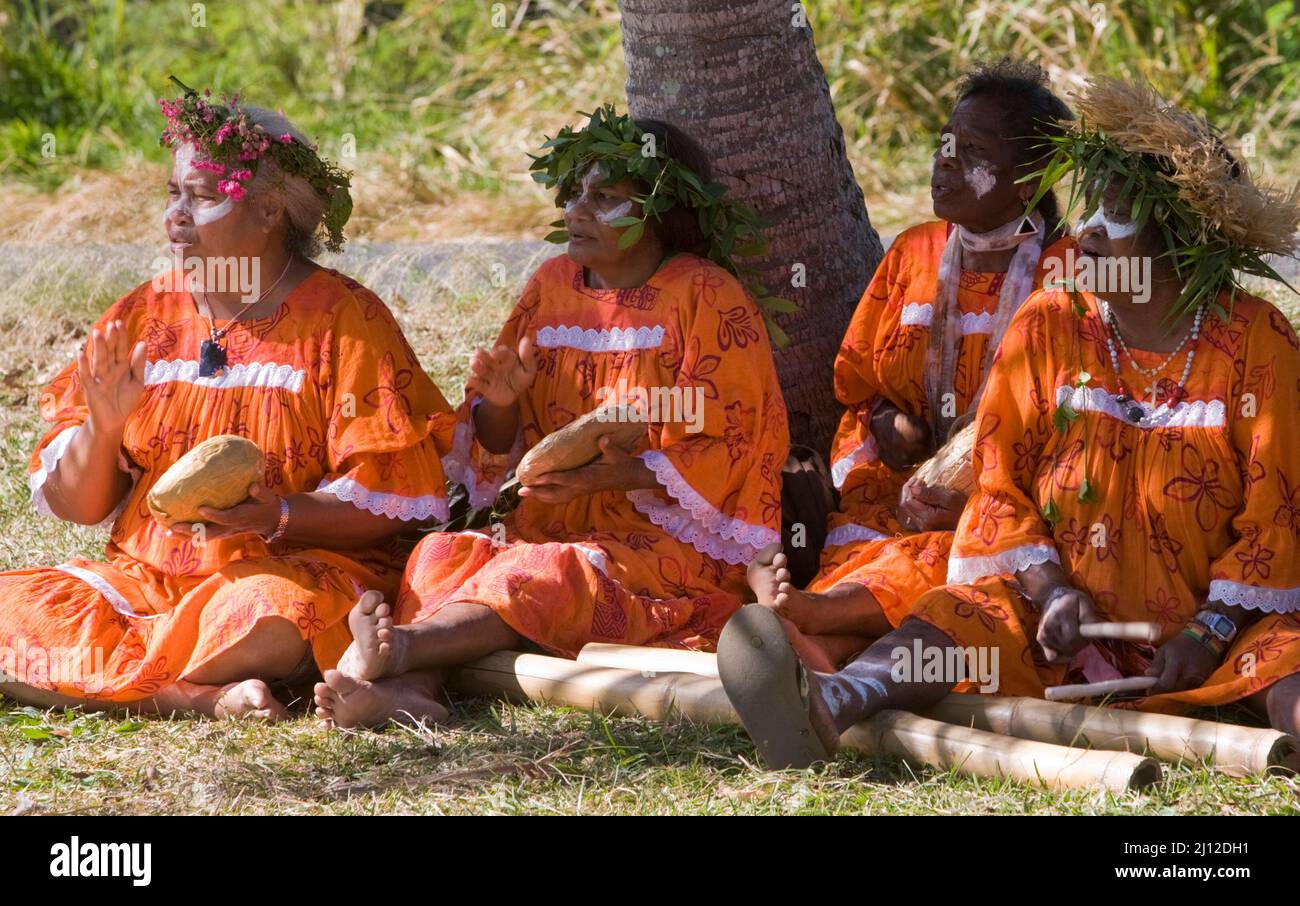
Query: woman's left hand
{"x":258,"y":514}
{"x":926,"y":508}
{"x":615,"y":470}
{"x":1182,"y":663}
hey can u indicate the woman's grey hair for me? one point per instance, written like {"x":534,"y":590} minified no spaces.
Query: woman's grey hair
{"x":303,"y":208}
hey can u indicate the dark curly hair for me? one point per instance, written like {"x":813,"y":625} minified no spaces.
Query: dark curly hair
{"x":1032,"y":112}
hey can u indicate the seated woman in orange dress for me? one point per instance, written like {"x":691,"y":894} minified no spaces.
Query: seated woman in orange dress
{"x":1135,"y":462}
{"x":299,"y":359}
{"x":906,"y":383}
{"x":645,"y":546}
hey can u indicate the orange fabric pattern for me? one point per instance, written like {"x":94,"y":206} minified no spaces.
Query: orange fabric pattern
{"x":651,"y":567}
{"x":1199,"y":506}
{"x":330,"y":390}
{"x":883,"y":358}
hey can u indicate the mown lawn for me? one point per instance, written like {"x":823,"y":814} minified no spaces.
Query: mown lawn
{"x":495,"y":757}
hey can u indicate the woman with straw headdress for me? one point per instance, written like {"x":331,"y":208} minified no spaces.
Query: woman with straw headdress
{"x":1135,"y":462}
{"x":309,"y":365}
{"x":913,"y":363}
{"x":644,"y":546}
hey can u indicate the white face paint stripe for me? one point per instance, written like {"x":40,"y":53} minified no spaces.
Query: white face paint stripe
{"x":184,"y":203}
{"x":981,"y":181}
{"x":1113,"y":230}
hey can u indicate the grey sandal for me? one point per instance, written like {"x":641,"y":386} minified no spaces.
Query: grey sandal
{"x":767,"y":685}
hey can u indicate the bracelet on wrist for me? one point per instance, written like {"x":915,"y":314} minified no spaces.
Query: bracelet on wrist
{"x":282,"y":526}
{"x":1212,"y":643}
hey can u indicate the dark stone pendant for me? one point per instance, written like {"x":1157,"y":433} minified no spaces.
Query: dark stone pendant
{"x":1132,"y":411}
{"x":212,"y":359}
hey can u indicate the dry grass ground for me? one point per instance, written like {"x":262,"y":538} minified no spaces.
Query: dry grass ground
{"x":495,"y":758}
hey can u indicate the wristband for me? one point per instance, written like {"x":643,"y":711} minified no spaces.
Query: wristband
{"x":1215,"y":645}
{"x":282,"y":525}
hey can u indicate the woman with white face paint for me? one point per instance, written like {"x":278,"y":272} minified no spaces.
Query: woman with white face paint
{"x":913,"y":364}
{"x":307,"y":364}
{"x":1135,"y":463}
{"x":645,"y":546}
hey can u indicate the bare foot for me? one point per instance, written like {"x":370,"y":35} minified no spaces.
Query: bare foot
{"x":769,"y":577}
{"x":370,"y":656}
{"x":249,"y":699}
{"x":342,"y":701}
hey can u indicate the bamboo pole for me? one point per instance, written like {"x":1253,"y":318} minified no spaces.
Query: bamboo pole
{"x":649,"y":660}
{"x":1129,"y":632}
{"x":1240,"y":751}
{"x":1236,"y":750}
{"x":1098,"y":690}
{"x":918,"y":739}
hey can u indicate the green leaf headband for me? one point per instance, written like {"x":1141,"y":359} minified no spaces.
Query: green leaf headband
{"x":613,"y":139}
{"x":228,"y":144}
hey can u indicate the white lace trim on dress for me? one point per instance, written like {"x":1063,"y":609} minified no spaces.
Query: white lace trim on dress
{"x":615,"y":339}
{"x":695,"y":521}
{"x":850,"y":532}
{"x":1252,"y":597}
{"x":966,"y":570}
{"x":1186,"y":414}
{"x":381,"y":503}
{"x":252,"y":374}
{"x":101,"y":585}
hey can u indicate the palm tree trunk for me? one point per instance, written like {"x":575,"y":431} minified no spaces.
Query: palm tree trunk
{"x":743,"y":79}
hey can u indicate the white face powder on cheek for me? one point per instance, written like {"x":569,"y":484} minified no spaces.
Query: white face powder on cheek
{"x":1113,"y":230}
{"x":980,"y":180}
{"x":608,"y":217}
{"x":184,"y":203}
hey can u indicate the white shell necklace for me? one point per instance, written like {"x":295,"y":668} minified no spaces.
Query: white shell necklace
{"x":1132,"y":409}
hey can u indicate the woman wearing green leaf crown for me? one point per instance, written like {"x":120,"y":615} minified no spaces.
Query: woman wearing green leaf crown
{"x":1134,"y":462}
{"x":643,"y":546}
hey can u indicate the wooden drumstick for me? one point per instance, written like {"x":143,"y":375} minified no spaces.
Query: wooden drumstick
{"x":1097,"y":690}
{"x":1129,"y":632}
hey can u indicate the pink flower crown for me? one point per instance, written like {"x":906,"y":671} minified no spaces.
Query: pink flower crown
{"x":229,"y":145}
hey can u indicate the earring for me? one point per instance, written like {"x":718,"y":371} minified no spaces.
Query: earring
{"x":1026,"y":228}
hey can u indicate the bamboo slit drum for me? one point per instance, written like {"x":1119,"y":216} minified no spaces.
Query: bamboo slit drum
{"x":921,"y":740}
{"x":1234,"y":749}
{"x":1240,"y":751}
{"x":216,"y":474}
{"x":578,"y":442}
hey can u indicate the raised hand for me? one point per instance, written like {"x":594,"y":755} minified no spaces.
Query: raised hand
{"x":501,"y":375}
{"x":112,"y":376}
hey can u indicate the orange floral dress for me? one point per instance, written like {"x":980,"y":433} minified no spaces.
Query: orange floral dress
{"x":330,"y":390}
{"x":883,"y":357}
{"x":1198,"y":500}
{"x":663,"y":566}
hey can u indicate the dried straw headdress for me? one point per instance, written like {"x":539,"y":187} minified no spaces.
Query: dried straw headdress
{"x":1173,"y":166}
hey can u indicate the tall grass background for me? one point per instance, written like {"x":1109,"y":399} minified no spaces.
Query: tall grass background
{"x":445,"y":96}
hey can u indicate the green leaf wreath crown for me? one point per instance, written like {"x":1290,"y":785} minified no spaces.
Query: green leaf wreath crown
{"x":730,"y":227}
{"x":229,"y":145}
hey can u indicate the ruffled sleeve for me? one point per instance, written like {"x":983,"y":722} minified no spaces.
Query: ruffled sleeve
{"x":1260,"y":569}
{"x":720,"y":474}
{"x":63,"y":406}
{"x":388,"y":423}
{"x":471,"y":465}
{"x":1002,"y":529}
